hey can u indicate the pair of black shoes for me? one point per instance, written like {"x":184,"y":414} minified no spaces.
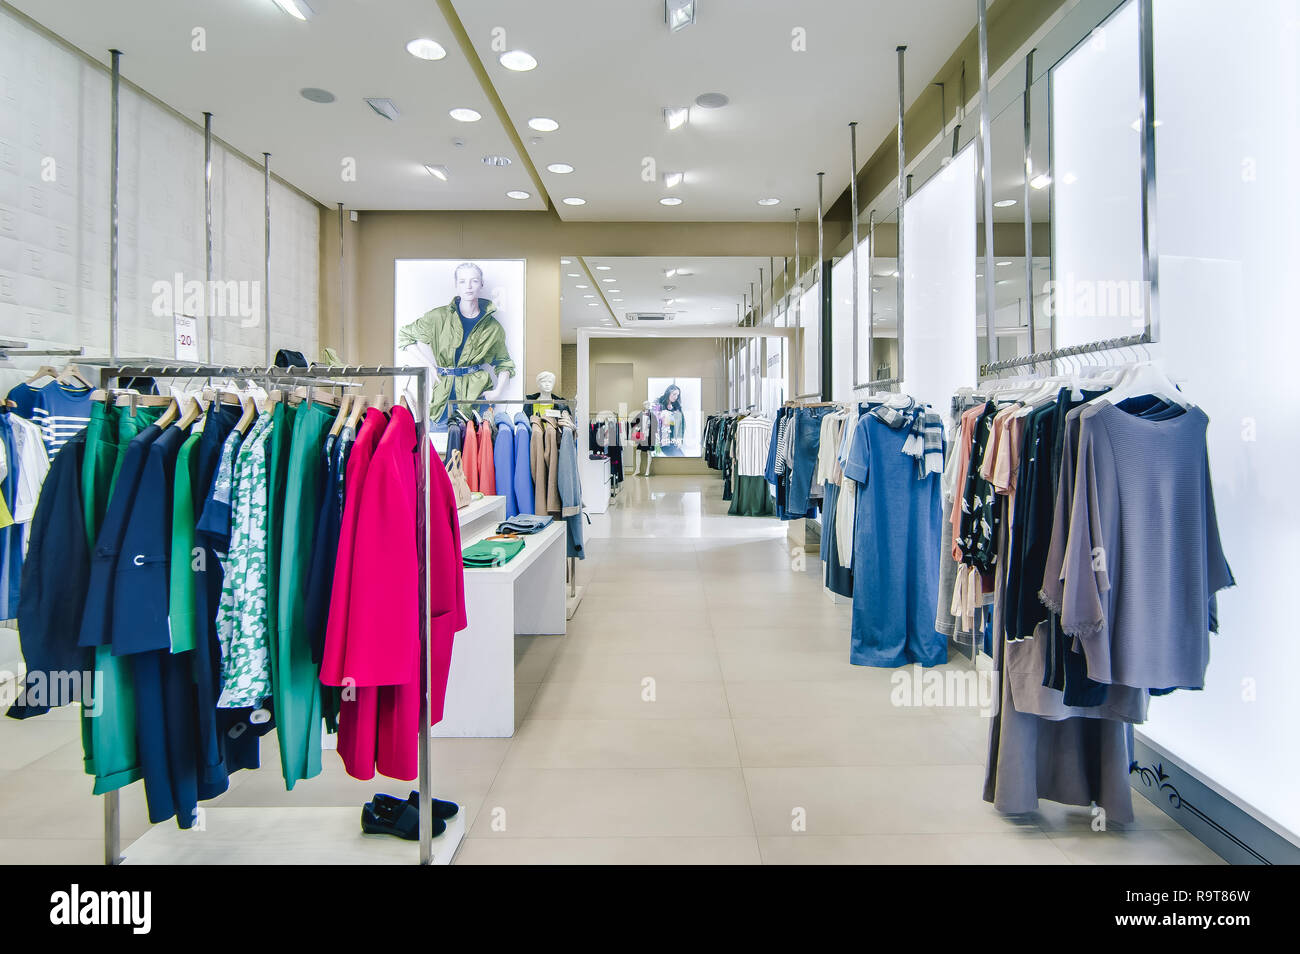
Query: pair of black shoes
{"x":389,"y":815}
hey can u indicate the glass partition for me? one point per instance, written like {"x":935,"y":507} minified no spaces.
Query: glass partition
{"x":883,"y":361}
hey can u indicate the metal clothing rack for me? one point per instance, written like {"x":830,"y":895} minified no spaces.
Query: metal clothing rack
{"x":112,"y":805}
{"x":9,"y":348}
{"x":1042,"y":357}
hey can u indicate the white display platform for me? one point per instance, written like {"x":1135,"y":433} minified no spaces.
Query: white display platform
{"x":480,"y":517}
{"x":526,"y":596}
{"x":284,"y":836}
{"x":595,"y":484}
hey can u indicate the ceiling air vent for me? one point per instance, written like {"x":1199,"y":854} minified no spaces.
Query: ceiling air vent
{"x":650,"y":316}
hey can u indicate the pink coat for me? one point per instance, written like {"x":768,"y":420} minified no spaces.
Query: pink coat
{"x":379,"y":719}
{"x":469,"y":455}
{"x":487,"y":471}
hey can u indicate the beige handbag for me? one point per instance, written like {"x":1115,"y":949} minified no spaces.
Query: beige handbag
{"x":459,"y":485}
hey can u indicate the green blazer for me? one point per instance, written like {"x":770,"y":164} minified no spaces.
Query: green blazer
{"x":440,"y":329}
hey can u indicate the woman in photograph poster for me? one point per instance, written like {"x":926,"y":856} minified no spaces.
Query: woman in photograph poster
{"x":464,"y":342}
{"x":672,"y":421}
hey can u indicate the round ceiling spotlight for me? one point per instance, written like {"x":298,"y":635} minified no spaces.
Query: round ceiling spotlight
{"x":711,"y":100}
{"x":574,"y":200}
{"x":315,"y":95}
{"x":463,"y":114}
{"x":542,"y":124}
{"x":1004,"y":203}
{"x":518,"y":60}
{"x":518,"y":194}
{"x":425,"y":49}
{"x":670,"y":200}
{"x":560,"y":168}
{"x":496,"y":160}
{"x":770,"y":200}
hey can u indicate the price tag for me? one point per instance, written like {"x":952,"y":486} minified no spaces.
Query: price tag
{"x":187,"y":338}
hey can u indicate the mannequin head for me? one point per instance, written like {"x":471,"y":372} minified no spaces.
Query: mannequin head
{"x":545,"y":382}
{"x":469,"y":284}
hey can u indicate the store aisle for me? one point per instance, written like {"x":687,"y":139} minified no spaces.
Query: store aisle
{"x":700,"y":707}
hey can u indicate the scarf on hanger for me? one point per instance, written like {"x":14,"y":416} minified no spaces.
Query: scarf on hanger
{"x":925,"y":440}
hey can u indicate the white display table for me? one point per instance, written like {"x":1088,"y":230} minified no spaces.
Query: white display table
{"x":525,"y":596}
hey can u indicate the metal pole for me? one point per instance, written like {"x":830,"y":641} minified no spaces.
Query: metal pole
{"x":822,"y":349}
{"x":798,"y":274}
{"x":113,"y":154}
{"x":902,"y":199}
{"x":266,"y":263}
{"x":424,"y":390}
{"x":207,"y":223}
{"x":986,"y":179}
{"x":853,"y":210}
{"x":343,"y":315}
{"x":1029,"y":219}
{"x":871,"y":295}
{"x":760,"y":291}
{"x":1147,"y":141}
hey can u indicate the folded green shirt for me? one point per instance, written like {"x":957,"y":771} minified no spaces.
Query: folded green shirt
{"x":491,"y":552}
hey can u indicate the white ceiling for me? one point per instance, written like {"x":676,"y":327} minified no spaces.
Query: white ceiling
{"x":709,"y":295}
{"x":257,"y":60}
{"x":604,"y":72}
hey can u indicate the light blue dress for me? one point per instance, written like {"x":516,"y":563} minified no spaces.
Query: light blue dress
{"x":895,"y":552}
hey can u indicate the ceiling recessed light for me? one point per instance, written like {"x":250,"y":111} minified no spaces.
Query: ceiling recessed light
{"x":566,"y":261}
{"x":1002,"y":263}
{"x":518,"y":194}
{"x":684,"y":271}
{"x":669,"y":272}
{"x":573,"y":275}
{"x":603,"y":268}
{"x":593,"y":304}
{"x":463,"y":114}
{"x":613,"y":291}
{"x":673,"y":179}
{"x":384,"y":107}
{"x":588,"y":296}
{"x":542,"y":124}
{"x":676,"y":116}
{"x":426,"y":49}
{"x":438,"y":172}
{"x":771,"y":200}
{"x":1004,"y":203}
{"x":611,"y":280}
{"x":717,"y":308}
{"x":616,"y":299}
{"x":518,"y":60}
{"x":583,"y":286}
{"x":1040,"y":181}
{"x":670,"y":200}
{"x":1069,"y":178}
{"x":574,"y":200}
{"x":298,"y":9}
{"x":679,"y":14}
{"x":560,"y":168}
{"x":316,"y":95}
{"x":496,"y":160}
{"x":711,"y":100}
{"x":1003,"y":281}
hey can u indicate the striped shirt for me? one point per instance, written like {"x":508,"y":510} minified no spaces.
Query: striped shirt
{"x":753,"y":438}
{"x":60,"y":412}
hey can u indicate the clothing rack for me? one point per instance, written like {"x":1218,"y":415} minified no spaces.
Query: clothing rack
{"x":9,"y":348}
{"x":112,"y":804}
{"x":1107,"y":344}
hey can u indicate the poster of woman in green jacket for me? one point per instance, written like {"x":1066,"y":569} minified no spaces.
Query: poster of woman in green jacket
{"x":467,"y":341}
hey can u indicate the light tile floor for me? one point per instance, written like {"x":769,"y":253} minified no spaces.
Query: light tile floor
{"x":701,"y":709}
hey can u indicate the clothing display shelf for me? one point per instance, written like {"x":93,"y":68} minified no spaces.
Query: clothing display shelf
{"x":1042,"y":357}
{"x":318,"y":374}
{"x":9,"y":348}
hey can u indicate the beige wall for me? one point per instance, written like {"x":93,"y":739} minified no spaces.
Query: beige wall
{"x":378,"y":239}
{"x":659,"y":358}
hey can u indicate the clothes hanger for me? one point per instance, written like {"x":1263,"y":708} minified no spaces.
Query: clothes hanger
{"x":358,"y":409}
{"x":341,"y":418}
{"x":196,"y":407}
{"x":402,"y":400}
{"x":246,"y":419}
{"x":168,"y":416}
{"x":42,"y":372}
{"x":1144,"y":378}
{"x":72,"y":373}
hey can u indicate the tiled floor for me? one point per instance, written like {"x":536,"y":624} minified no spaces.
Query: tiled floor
{"x":701,"y":709}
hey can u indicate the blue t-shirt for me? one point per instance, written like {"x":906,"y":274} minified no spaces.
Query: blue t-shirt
{"x":896,"y":545}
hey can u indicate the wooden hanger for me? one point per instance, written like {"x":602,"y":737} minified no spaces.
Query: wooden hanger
{"x":141,"y":400}
{"x":42,"y":372}
{"x":168,"y":416}
{"x":357,"y":410}
{"x":72,"y":373}
{"x":246,"y":419}
{"x":191,"y":414}
{"x":313,"y":396}
{"x":404,"y":402}
{"x":275,"y":397}
{"x":342,"y":417}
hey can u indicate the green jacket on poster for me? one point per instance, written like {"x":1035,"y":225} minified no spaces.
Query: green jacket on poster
{"x":485,"y":349}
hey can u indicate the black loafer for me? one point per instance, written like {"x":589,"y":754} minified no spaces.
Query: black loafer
{"x":441,"y":809}
{"x":398,"y":819}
